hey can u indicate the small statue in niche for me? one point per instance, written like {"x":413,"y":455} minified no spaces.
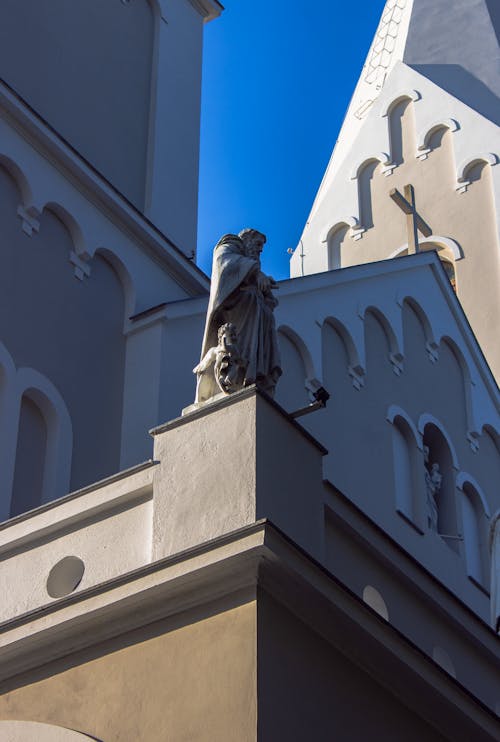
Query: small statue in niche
{"x":241,"y":296}
{"x":224,"y":361}
{"x":433,"y":482}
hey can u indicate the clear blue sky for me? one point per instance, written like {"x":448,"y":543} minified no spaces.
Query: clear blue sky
{"x":278,"y":76}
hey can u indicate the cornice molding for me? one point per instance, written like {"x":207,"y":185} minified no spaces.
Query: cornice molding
{"x":233,"y":567}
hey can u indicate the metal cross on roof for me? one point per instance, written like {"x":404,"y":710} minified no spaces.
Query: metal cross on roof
{"x":414,"y":221}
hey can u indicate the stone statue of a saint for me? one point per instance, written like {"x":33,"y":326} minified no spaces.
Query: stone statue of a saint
{"x":433,"y":482}
{"x":240,"y":345}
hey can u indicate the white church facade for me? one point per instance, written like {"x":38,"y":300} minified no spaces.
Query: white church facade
{"x":236,"y":572}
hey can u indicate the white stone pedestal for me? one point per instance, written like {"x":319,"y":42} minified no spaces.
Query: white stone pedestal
{"x":231,"y":463}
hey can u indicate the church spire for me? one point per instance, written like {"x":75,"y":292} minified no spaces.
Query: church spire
{"x":455,"y":47}
{"x":424,"y":118}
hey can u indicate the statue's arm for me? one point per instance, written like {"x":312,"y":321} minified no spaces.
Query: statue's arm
{"x":206,"y":361}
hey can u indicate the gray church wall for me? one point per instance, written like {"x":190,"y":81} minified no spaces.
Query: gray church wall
{"x":411,"y":608}
{"x":399,"y":379}
{"x":69,"y":331}
{"x":306,"y":688}
{"x":99,"y":102}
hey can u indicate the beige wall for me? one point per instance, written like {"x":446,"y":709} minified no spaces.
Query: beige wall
{"x":188,"y":679}
{"x":468,"y":218}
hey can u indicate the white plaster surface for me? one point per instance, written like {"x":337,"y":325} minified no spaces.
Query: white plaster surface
{"x":108,"y":527}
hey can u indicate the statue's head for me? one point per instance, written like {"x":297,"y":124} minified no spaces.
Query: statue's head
{"x":253,"y":241}
{"x":228,"y":331}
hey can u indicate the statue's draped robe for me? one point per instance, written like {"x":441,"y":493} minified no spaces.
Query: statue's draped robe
{"x":235,"y":297}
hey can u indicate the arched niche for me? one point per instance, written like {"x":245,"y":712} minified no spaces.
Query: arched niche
{"x":432,"y":137}
{"x":470,"y":170}
{"x":125,"y":278}
{"x":291,"y":391}
{"x":34,"y":731}
{"x":340,"y":355}
{"x":31,"y":457}
{"x":44,"y":443}
{"x":335,"y":241}
{"x":381,"y":343}
{"x":365,"y":176}
{"x":402,"y":131}
{"x":407,"y":467}
{"x":418,"y":333}
{"x":475,"y":526}
{"x":439,"y":452}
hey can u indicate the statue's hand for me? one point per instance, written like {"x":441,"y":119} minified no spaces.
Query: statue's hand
{"x":263,"y":283}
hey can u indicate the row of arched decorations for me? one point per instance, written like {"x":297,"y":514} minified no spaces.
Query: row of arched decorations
{"x":354,"y":225}
{"x":84,"y":246}
{"x":34,"y":418}
{"x":462,"y":507}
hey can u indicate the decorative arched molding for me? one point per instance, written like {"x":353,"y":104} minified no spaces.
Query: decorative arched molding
{"x":490,"y":430}
{"x":72,"y":226}
{"x":464,"y":478}
{"x":57,"y":470}
{"x":348,"y":224}
{"x":393,"y":412}
{"x":302,"y":350}
{"x":355,"y":369}
{"x":409,"y":94}
{"x":80,"y":256}
{"x":34,"y":731}
{"x":26,"y":211}
{"x":396,"y":356}
{"x":451,"y":248}
{"x":489,"y":158}
{"x":408,"y":467}
{"x":431,"y":345}
{"x":428,"y":419}
{"x":7,"y":366}
{"x":20,"y":178}
{"x":125,"y":278}
{"x":328,"y":232}
{"x":473,"y":431}
{"x":382,"y":157}
{"x":423,"y":148}
{"x":156,"y":8}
